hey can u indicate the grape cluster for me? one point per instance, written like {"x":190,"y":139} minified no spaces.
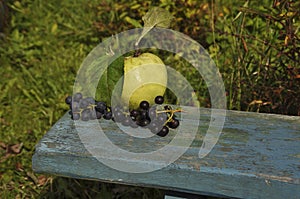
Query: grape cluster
{"x":87,"y":108}
{"x":158,"y":118}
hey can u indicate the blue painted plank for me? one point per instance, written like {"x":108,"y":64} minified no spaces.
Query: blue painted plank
{"x":256,"y":156}
{"x":172,"y":197}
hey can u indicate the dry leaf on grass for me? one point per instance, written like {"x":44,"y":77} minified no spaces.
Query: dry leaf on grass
{"x":7,"y":150}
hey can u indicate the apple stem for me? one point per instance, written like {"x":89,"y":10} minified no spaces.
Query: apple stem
{"x":137,"y":53}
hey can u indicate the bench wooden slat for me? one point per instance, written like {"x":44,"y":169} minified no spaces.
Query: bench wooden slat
{"x":257,"y":156}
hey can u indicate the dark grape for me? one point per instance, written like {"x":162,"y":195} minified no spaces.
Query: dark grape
{"x":75,"y":116}
{"x":84,"y":103}
{"x":144,"y":105}
{"x":77,"y":97}
{"x":152,"y":112}
{"x":116,"y":108}
{"x":90,"y":100}
{"x":161,"y":118}
{"x":126,"y":121}
{"x":98,"y":115}
{"x":167,"y":107}
{"x":159,"y":100}
{"x":75,"y":107}
{"x":163,"y":132}
{"x":143,"y":114}
{"x":155,"y":127}
{"x":68,"y":100}
{"x":108,"y":115}
{"x":85,"y":115}
{"x":118,"y":116}
{"x":134,"y":113}
{"x":174,"y":123}
{"x":143,"y":122}
{"x":101,"y":107}
{"x":93,"y":115}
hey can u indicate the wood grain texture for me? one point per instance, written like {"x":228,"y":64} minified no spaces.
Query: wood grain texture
{"x":256,"y":156}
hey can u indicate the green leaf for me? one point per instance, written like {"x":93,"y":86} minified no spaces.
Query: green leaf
{"x":109,"y":79}
{"x":101,"y":70}
{"x":155,"y":17}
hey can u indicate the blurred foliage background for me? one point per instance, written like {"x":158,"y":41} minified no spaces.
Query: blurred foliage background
{"x":255,"y":45}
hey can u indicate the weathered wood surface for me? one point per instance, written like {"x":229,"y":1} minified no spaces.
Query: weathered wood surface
{"x":256,"y":156}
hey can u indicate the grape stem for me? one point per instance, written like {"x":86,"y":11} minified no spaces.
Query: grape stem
{"x":172,"y":114}
{"x":170,"y":111}
{"x":91,"y":106}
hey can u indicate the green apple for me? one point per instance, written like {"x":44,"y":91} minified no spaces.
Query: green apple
{"x":145,"y":77}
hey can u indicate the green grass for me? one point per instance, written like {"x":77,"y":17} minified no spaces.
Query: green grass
{"x":255,"y":46}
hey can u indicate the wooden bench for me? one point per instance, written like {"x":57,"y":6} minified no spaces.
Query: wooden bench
{"x":256,"y":156}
